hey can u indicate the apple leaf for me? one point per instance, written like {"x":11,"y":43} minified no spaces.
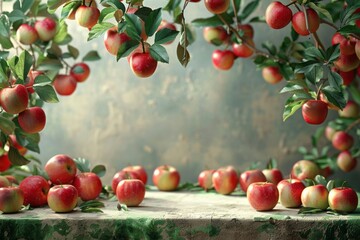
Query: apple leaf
{"x":21,"y":65}
{"x":152,"y":22}
{"x":49,"y":64}
{"x":122,"y":207}
{"x":106,"y":13}
{"x":74,"y":52}
{"x":6,"y":125}
{"x":91,"y":56}
{"x":68,"y":8}
{"x":133,"y":22}
{"x":272,"y":163}
{"x":321,"y":11}
{"x":335,"y":80}
{"x":41,"y":80}
{"x":99,"y":29}
{"x":99,"y":170}
{"x":310,"y":210}
{"x":320,"y":180}
{"x":16,"y":158}
{"x":212,"y":21}
{"x":46,"y":93}
{"x":82,"y":164}
{"x":355,"y":93}
{"x":291,"y":108}
{"x":5,"y":32}
{"x":314,"y":74}
{"x":249,"y":9}
{"x":30,"y":141}
{"x":159,"y":53}
{"x":54,"y":4}
{"x":126,"y":48}
{"x":16,"y":15}
{"x":23,"y":5}
{"x":91,"y":206}
{"x":335,"y":97}
{"x":61,"y":33}
{"x":165,"y":35}
{"x":332,"y":53}
{"x":292,"y":88}
{"x":115,"y":4}
{"x":172,"y":5}
{"x":182,"y":55}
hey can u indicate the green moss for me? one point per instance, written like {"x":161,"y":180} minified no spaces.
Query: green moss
{"x":63,"y":228}
{"x":209,"y":230}
{"x":21,"y":228}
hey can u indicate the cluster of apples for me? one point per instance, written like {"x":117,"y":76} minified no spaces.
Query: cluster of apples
{"x":129,"y":183}
{"x":61,"y":189}
{"x":265,"y":188}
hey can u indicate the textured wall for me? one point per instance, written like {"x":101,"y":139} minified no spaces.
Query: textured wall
{"x":191,"y":118}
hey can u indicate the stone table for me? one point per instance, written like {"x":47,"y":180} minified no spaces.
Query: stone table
{"x":180,"y":215}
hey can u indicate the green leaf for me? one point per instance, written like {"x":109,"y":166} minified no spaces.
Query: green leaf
{"x":55,"y":4}
{"x":99,"y":29}
{"x":91,"y":56}
{"x":291,"y":88}
{"x":82,"y":164}
{"x":122,"y":207}
{"x":349,"y":29}
{"x":134,"y":24}
{"x":49,"y":64}
{"x":46,"y":93}
{"x":126,"y":48}
{"x":6,"y":125}
{"x":212,"y":21}
{"x":182,"y":55}
{"x":115,"y":4}
{"x":291,"y":108}
{"x":172,"y":5}
{"x":335,"y":97}
{"x":106,"y":13}
{"x":355,"y":93}
{"x":21,"y":65}
{"x":333,"y":53}
{"x":61,"y":33}
{"x":99,"y":170}
{"x":152,"y":22}
{"x":23,"y":5}
{"x":249,"y":9}
{"x":74,"y":52}
{"x":286,"y":71}
{"x":159,"y":53}
{"x":272,"y":164}
{"x":320,"y":180}
{"x":314,"y":53}
{"x":321,"y":11}
{"x":270,"y":47}
{"x":165,"y":35}
{"x":30,"y":141}
{"x":16,"y":15}
{"x":314,"y":74}
{"x":335,"y":80}
{"x":309,"y":210}
{"x":69,"y":8}
{"x":91,"y":204}
{"x":41,"y":79}
{"x":16,"y":158}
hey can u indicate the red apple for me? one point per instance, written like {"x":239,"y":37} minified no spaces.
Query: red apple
{"x":168,"y":25}
{"x":351,"y":110}
{"x":14,"y":99}
{"x":343,"y":200}
{"x":290,"y":192}
{"x":4,"y":182}
{"x":225,"y":180}
{"x":26,"y":34}
{"x":243,"y":49}
{"x":30,"y":80}
{"x":62,"y":198}
{"x":272,"y":74}
{"x":217,"y":6}
{"x":143,"y":64}
{"x":61,"y":169}
{"x":314,"y":111}
{"x":329,"y":132}
{"x":166,"y":178}
{"x":139,"y":170}
{"x":205,"y":179}
{"x":32,"y":120}
{"x":87,"y":16}
{"x":345,"y":161}
{"x":348,"y":77}
{"x":273,"y":175}
{"x":130,"y":192}
{"x":303,"y":27}
{"x":251,"y":176}
{"x":11,"y":199}
{"x":4,"y":162}
{"x":65,"y":85}
{"x":114,"y":40}
{"x":347,"y":46}
{"x":13,"y":142}
{"x":262,"y":196}
{"x":347,"y":63}
{"x":342,"y":141}
{"x":80,"y":71}
{"x":305,"y":169}
{"x":223,"y":59}
{"x":46,"y":28}
{"x":122,"y":175}
{"x":247,"y":31}
{"x":278,"y":15}
{"x":216,"y":35}
{"x":88,"y":185}
{"x":35,"y":189}
{"x":315,"y":197}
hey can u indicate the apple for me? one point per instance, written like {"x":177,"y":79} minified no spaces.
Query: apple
{"x":62,"y":198}
{"x":243,"y":49}
{"x":305,"y":169}
{"x":122,"y":175}
{"x":13,"y":142}
{"x":32,"y":120}
{"x":14,"y":99}
{"x":168,"y":25}
{"x":205,"y":179}
{"x":35,"y":189}
{"x":271,"y":74}
{"x":347,"y":63}
{"x":273,"y":175}
{"x":348,"y":77}
{"x":87,"y":16}
{"x":30,"y":80}
{"x":329,"y":132}
{"x":357,"y":48}
{"x":88,"y":185}
{"x":11,"y":199}
{"x":278,"y":15}
{"x":315,"y":197}
{"x":251,"y":176}
{"x":343,"y":200}
{"x":46,"y":28}
{"x":246,"y":30}
{"x":290,"y":192}
{"x":225,"y":180}
{"x":141,"y":48}
{"x":215,"y":35}
{"x":262,"y":196}
{"x":114,"y":40}
{"x":347,"y":46}
{"x":342,"y":141}
{"x":329,"y":104}
{"x":351,"y":110}
{"x":139,"y":170}
{"x":314,"y":111}
{"x":143,"y":64}
{"x":130,"y":192}
{"x":4,"y":182}
{"x":223,"y":59}
{"x":80,"y":71}
{"x":65,"y":85}
{"x":345,"y":161}
{"x":26,"y":34}
{"x":166,"y":178}
{"x":4,"y":162}
{"x":61,"y":169}
{"x":217,"y":6}
{"x":300,"y":24}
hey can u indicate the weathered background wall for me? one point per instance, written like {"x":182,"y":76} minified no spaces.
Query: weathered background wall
{"x":192,"y":118}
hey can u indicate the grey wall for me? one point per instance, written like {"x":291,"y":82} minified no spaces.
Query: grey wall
{"x":192,"y":118}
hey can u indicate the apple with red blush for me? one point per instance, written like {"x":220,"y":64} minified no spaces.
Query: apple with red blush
{"x":314,"y":111}
{"x":122,"y":175}
{"x":139,"y":170}
{"x":277,"y":15}
{"x":305,"y":169}
{"x":166,"y":178}
{"x":351,"y":110}
{"x":13,"y":142}
{"x":342,"y":140}
{"x":225,"y":180}
{"x":205,"y":179}
{"x":290,"y":192}
{"x":130,"y":192}
{"x":305,"y":24}
{"x":11,"y":199}
{"x":113,"y":40}
{"x":32,"y":120}
{"x":273,"y":175}
{"x":143,"y":64}
{"x":223,"y":59}
{"x":87,"y":16}
{"x":88,"y":185}
{"x":243,"y":49}
{"x":61,"y":169}
{"x":35,"y":189}
{"x":251,"y":176}
{"x":343,"y":200}
{"x":46,"y":28}
{"x":26,"y":34}
{"x":345,"y":161}
{"x":315,"y":197}
{"x":62,"y":198}
{"x":64,"y":84}
{"x":215,"y":35}
{"x":80,"y":71}
{"x":262,"y":196}
{"x":217,"y":6}
{"x":271,"y":74}
{"x":4,"y":162}
{"x":14,"y":99}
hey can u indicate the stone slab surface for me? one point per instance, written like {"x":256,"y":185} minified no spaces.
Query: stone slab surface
{"x":180,"y":215}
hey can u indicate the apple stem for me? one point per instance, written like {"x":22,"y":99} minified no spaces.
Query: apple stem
{"x":353,"y":124}
{"x":328,"y":23}
{"x":291,"y":3}
{"x":235,"y":12}
{"x":318,"y":41}
{"x":183,"y":25}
